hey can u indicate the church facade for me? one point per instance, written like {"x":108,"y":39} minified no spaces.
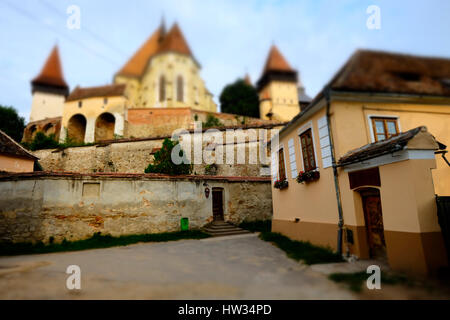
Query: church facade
{"x":158,"y":90}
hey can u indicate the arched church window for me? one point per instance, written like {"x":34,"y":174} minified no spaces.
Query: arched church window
{"x":180,"y":89}
{"x":162,"y":88}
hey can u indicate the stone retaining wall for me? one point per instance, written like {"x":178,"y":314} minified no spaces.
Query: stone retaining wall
{"x":35,"y":207}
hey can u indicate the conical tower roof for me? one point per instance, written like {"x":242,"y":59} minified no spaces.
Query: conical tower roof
{"x":276,"y":62}
{"x":51,"y":74}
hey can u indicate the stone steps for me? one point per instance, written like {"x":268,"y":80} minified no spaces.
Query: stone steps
{"x":222,"y":228}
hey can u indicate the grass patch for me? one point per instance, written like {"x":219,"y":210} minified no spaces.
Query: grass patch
{"x":257,"y":226}
{"x":301,"y":250}
{"x":354,"y":281}
{"x":95,"y":242}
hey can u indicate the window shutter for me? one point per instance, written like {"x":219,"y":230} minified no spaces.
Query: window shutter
{"x":292,"y":162}
{"x":274,"y":166}
{"x":324,"y":142}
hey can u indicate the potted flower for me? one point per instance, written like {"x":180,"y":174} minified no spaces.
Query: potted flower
{"x":281,"y":184}
{"x":308,"y":176}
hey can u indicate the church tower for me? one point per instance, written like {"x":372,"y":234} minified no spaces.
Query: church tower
{"x":277,"y":89}
{"x":49,"y":90}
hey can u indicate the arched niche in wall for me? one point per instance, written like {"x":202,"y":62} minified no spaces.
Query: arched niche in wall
{"x":104,"y":127}
{"x":76,"y":128}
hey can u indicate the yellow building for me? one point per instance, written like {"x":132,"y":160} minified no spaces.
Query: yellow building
{"x":94,"y":114}
{"x":278,"y":89}
{"x":164,"y":73}
{"x":366,"y":188}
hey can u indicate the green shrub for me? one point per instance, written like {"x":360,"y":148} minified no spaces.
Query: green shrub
{"x":212,"y":121}
{"x":257,"y":226}
{"x":42,"y":141}
{"x":301,"y":250}
{"x":163,"y":161}
{"x":97,"y":241}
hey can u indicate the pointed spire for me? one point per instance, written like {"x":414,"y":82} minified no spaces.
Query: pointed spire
{"x":175,"y":41}
{"x":276,"y":61}
{"x":247,"y":80}
{"x":162,"y":29}
{"x":51,"y":74}
{"x":136,"y":65}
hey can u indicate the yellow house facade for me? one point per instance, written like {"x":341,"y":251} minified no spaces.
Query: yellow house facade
{"x":393,"y":174}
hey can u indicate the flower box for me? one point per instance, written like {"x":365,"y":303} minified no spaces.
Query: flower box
{"x":281,"y":184}
{"x":308,"y":176}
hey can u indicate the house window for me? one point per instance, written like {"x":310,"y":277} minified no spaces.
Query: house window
{"x":80,"y":104}
{"x":105,"y":101}
{"x":162,"y":88}
{"x":281,"y":168}
{"x":309,"y":161}
{"x":384,"y":128}
{"x":180,"y":89}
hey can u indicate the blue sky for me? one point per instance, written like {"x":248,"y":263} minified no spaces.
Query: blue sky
{"x":229,"y":38}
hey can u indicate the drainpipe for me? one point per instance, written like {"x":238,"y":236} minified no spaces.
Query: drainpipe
{"x":335,"y":174}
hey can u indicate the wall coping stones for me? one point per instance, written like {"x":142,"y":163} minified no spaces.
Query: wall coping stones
{"x":10,"y":176}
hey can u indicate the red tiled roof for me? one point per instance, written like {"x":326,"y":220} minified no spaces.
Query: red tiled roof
{"x":379,"y":148}
{"x":134,"y":176}
{"x":386,"y":72}
{"x":135,"y":67}
{"x":276,"y":61}
{"x":10,"y":147}
{"x":174,"y":41}
{"x":102,"y":91}
{"x":51,"y":74}
{"x":158,"y":42}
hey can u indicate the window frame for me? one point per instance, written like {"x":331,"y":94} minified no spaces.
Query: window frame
{"x":385,"y":120}
{"x":180,"y":88}
{"x":306,"y":167}
{"x":162,"y":88}
{"x":281,"y":152}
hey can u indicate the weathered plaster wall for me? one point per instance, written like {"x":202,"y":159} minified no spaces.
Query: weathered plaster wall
{"x":35,"y":208}
{"x":15,"y":164}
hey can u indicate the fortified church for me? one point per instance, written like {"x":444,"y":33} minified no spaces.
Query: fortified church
{"x":158,"y":90}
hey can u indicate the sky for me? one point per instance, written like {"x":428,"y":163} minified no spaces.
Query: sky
{"x":229,"y":38}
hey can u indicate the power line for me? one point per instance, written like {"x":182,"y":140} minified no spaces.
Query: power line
{"x":93,"y":34}
{"x":34,"y":18}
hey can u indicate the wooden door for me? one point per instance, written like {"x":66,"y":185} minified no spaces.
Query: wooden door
{"x":374,"y":222}
{"x":217,"y":195}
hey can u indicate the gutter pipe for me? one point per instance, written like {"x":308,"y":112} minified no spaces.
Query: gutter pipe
{"x":335,"y":174}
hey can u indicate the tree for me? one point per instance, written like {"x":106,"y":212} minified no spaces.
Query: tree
{"x":240,"y":98}
{"x":11,"y":123}
{"x":163,"y":161}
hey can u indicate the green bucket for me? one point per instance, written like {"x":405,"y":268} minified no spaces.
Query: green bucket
{"x":184,"y":222}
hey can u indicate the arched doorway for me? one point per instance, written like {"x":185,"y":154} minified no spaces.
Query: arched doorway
{"x":104,"y":127}
{"x":76,"y":128}
{"x":373,"y":217}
